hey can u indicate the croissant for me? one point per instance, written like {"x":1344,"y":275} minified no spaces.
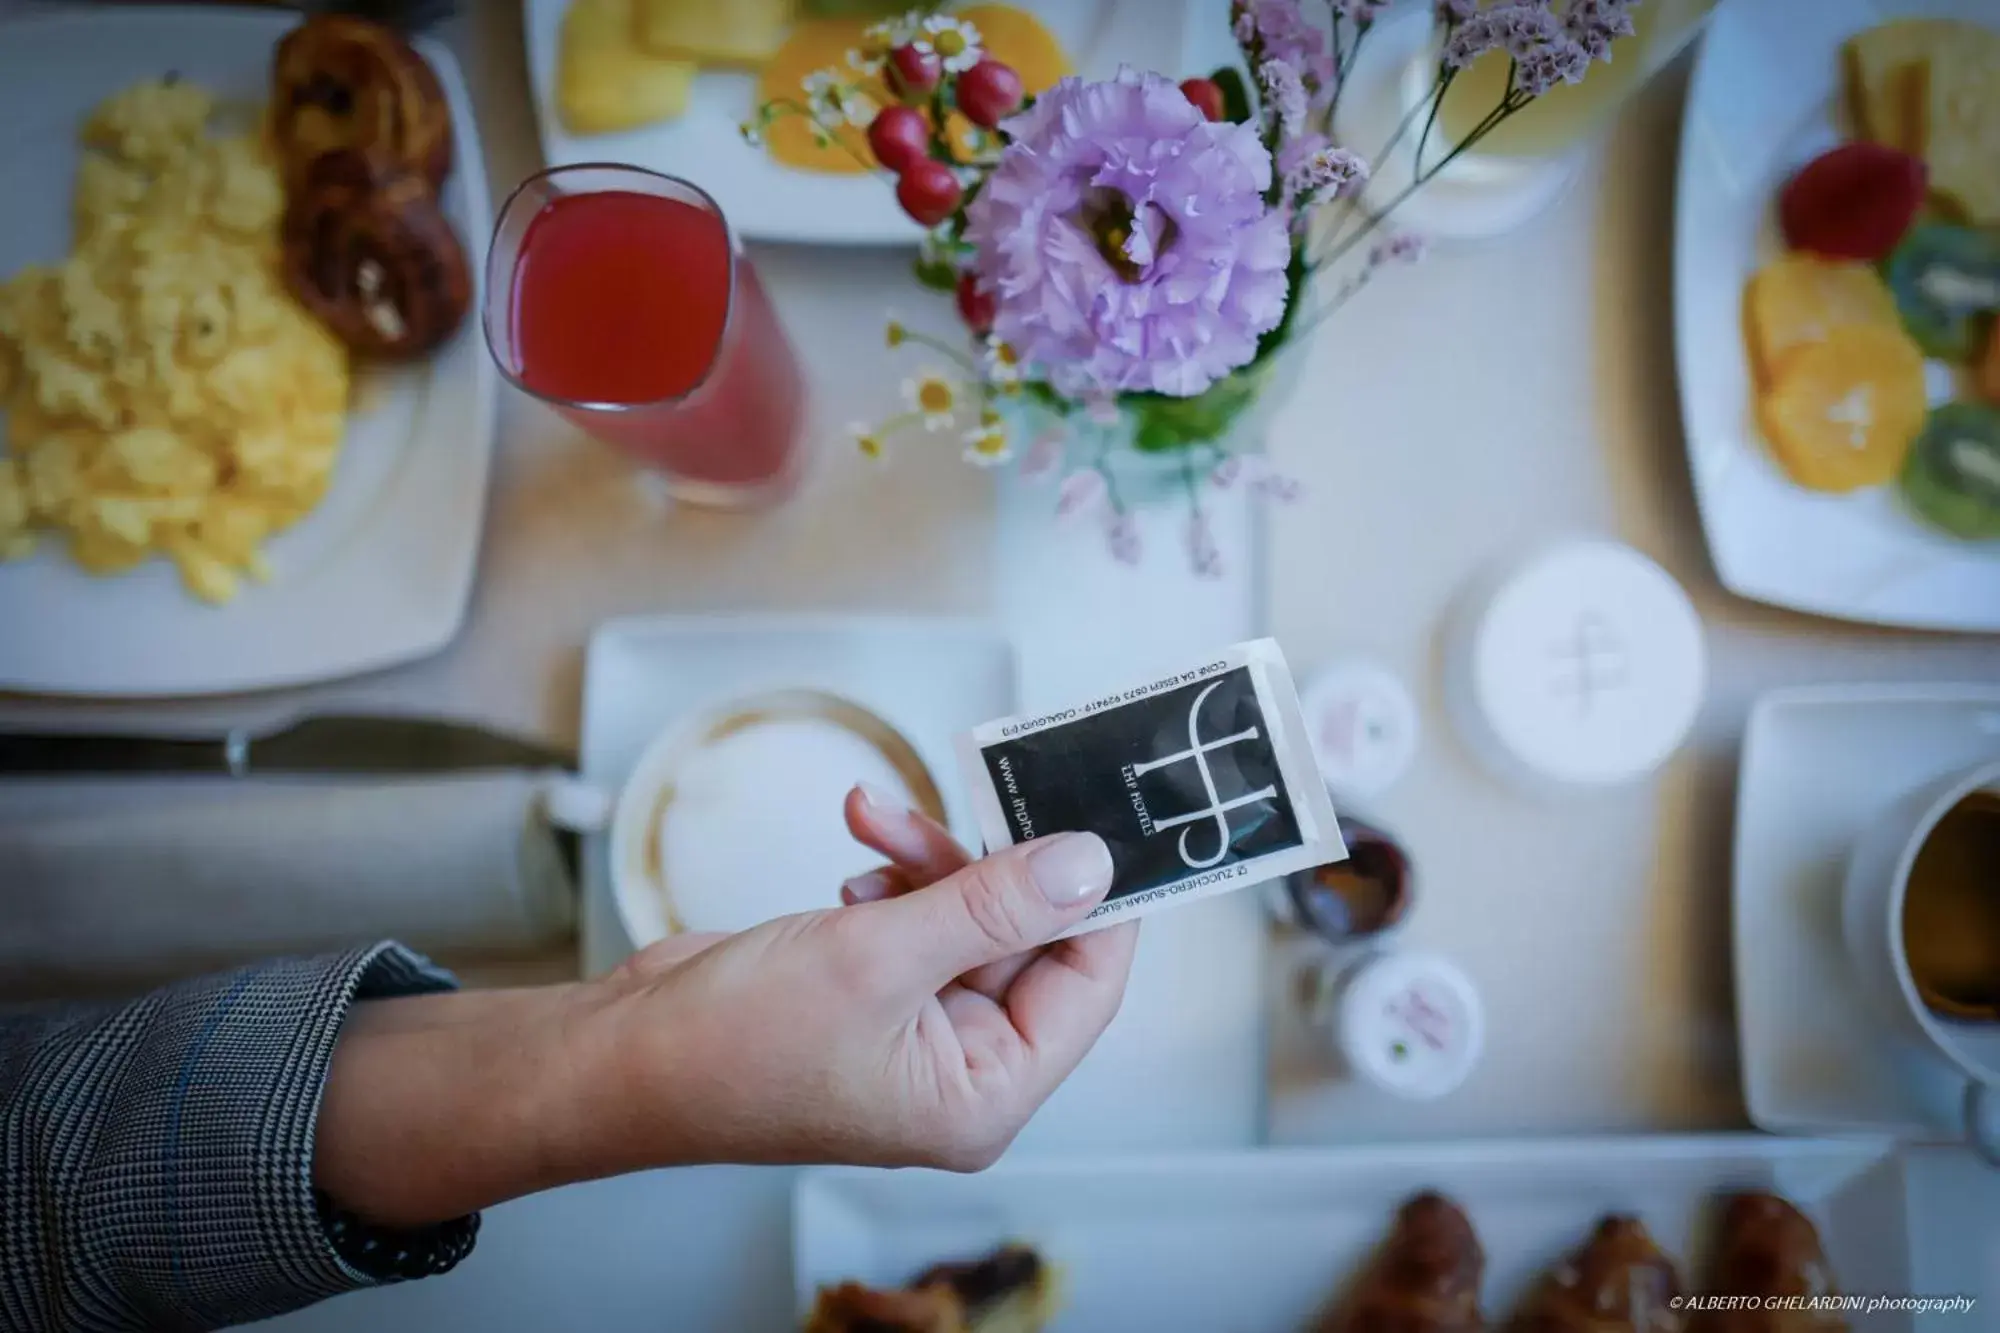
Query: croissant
{"x":1618,"y":1282}
{"x":1767,"y":1247}
{"x":1011,"y":1290}
{"x":340,"y":82}
{"x":1424,"y":1279}
{"x":368,"y":252}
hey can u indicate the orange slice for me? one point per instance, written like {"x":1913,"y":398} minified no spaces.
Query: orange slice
{"x":1843,"y":413}
{"x":1799,"y":300}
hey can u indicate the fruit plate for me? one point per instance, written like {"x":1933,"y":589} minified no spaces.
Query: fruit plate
{"x":1766,"y":99}
{"x":765,"y":201}
{"x":381,"y":571}
{"x":1216,"y":1243}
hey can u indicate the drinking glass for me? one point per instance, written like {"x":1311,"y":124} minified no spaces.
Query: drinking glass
{"x":722,"y":417}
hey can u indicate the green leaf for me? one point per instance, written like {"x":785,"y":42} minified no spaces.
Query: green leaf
{"x":1165,"y":424}
{"x":1235,"y":97}
{"x":937,"y":274}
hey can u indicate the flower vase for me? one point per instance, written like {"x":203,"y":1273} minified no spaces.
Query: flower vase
{"x":1153,"y":450}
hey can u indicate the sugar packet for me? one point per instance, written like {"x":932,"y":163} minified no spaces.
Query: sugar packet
{"x":1199,"y":781}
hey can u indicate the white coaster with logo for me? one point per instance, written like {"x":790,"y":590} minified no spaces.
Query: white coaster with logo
{"x":1580,"y":666}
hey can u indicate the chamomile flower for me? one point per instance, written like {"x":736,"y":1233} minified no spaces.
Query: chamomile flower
{"x":987,"y":444}
{"x":955,"y":41}
{"x":752,"y":132}
{"x":894,"y":334}
{"x":933,"y":397}
{"x":858,"y":108}
{"x":868,"y":440}
{"x":1000,"y":362}
{"x":824,"y":95}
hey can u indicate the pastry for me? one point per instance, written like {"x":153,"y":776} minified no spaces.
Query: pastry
{"x":1618,"y":1282}
{"x":368,"y":252}
{"x":1011,"y":1290}
{"x":1960,"y":123}
{"x":1952,"y":477}
{"x":1841,"y":413}
{"x":1798,"y":300}
{"x":1885,"y":77}
{"x":342,"y":82}
{"x":743,"y":33}
{"x":1946,"y":281}
{"x":1424,"y":1279}
{"x":606,"y":81}
{"x":1766,"y":1247}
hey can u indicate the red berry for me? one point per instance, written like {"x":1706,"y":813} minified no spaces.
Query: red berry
{"x":899,"y":136}
{"x":976,"y":305}
{"x":1854,"y":202}
{"x":913,"y":73}
{"x":988,"y":93}
{"x":1206,"y":94}
{"x":928,"y":191}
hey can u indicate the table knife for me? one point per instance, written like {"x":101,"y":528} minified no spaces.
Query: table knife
{"x":326,"y":744}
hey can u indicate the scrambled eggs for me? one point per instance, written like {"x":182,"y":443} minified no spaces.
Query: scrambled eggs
{"x":164,"y":394}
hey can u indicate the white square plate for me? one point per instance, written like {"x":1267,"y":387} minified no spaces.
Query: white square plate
{"x":1818,"y":764}
{"x":1247,"y":1242}
{"x":768,"y":202}
{"x":1764,"y":101}
{"x":929,"y":679}
{"x":380,"y":572}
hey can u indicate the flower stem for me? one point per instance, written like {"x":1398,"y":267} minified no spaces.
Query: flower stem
{"x":944,"y":349}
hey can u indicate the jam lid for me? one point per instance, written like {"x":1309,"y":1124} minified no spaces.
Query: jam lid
{"x":1411,"y":1024}
{"x":1363,"y":726}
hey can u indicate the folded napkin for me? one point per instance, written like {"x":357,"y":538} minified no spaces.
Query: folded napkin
{"x":113,"y":884}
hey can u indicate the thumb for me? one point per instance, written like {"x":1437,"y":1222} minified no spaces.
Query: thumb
{"x":1012,"y":901}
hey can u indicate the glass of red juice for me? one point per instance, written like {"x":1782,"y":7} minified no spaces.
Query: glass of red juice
{"x":619,"y":297}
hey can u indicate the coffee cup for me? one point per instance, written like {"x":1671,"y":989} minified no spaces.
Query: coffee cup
{"x":1895,"y":864}
{"x":732,"y":816}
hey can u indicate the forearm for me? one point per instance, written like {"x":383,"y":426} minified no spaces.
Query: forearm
{"x":439,"y":1105}
{"x":155,"y":1156}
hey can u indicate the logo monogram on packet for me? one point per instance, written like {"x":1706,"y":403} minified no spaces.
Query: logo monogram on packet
{"x":1178,"y":782}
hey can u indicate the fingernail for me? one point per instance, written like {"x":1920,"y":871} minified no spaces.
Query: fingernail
{"x":883,"y":800}
{"x":873,"y":886}
{"x":1070,"y":867}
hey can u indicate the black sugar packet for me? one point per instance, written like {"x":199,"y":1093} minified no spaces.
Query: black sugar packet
{"x":1200,"y":782}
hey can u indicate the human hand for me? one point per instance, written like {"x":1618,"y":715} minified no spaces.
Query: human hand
{"x":921,"y":1023}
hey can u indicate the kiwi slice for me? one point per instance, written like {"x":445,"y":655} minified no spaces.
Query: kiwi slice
{"x":1952,"y":476}
{"x":1947,"y":284}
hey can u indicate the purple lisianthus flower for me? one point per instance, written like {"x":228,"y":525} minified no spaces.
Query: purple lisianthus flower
{"x":1595,"y":24}
{"x":1126,"y":240}
{"x":1326,"y":174}
{"x":1561,"y":61}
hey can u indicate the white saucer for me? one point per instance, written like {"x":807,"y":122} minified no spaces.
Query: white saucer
{"x":1818,"y":765}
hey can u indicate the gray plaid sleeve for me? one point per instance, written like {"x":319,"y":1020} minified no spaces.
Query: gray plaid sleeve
{"x":156,"y":1157}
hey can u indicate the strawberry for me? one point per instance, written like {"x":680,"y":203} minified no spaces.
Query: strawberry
{"x":1854,"y":202}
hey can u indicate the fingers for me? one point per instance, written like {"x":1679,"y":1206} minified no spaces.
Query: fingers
{"x":1065,"y":998}
{"x":875,"y":885}
{"x":1009,"y":902}
{"x":922,"y":847}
